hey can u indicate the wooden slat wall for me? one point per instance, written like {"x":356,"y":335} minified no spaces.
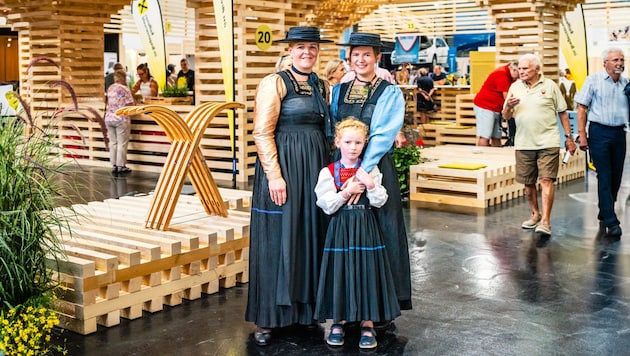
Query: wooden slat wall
{"x":530,"y":26}
{"x":251,"y":65}
{"x":447,"y":18}
{"x":71,"y":33}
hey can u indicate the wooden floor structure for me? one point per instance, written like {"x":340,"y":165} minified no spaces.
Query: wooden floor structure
{"x":116,"y":267}
{"x":479,"y":188}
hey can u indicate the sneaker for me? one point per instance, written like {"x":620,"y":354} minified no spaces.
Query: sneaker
{"x":531,"y":222}
{"x":543,"y":229}
{"x":124,"y":169}
{"x":335,"y":337}
{"x":115,"y":169}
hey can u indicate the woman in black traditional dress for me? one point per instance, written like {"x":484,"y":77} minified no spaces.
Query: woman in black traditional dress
{"x":355,"y":281}
{"x":381,"y":106}
{"x":287,"y":229}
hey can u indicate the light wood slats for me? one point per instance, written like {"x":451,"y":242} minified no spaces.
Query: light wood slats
{"x":184,"y":160}
{"x":116,"y":268}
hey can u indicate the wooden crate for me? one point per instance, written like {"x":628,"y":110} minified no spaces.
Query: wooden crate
{"x":456,"y":134}
{"x":117,"y":268}
{"x":479,"y":188}
{"x":444,"y":98}
{"x":428,"y":132}
{"x":465,"y":115}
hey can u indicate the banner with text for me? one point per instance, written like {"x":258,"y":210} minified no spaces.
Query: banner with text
{"x":224,"y":18}
{"x":573,"y":44}
{"x":148,"y":18}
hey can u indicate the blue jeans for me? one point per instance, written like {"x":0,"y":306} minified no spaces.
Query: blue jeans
{"x":607,"y":146}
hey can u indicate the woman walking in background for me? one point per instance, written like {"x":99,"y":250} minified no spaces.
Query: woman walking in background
{"x":118,"y":126}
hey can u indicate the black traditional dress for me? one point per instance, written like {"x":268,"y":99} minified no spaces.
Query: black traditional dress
{"x":381,"y":106}
{"x":286,"y":242}
{"x":355,"y":280}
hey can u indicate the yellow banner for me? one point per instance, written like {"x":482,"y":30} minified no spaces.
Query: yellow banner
{"x":573,"y":44}
{"x":224,"y":18}
{"x":148,"y":17}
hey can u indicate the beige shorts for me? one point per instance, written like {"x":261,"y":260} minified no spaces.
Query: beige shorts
{"x":534,"y":164}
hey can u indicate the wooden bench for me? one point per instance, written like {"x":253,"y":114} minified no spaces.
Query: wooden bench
{"x":479,"y":188}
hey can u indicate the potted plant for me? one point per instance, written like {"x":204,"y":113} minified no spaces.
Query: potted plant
{"x":405,"y":157}
{"x":174,"y":95}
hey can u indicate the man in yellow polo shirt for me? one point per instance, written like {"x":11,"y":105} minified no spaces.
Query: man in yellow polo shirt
{"x":534,"y":102}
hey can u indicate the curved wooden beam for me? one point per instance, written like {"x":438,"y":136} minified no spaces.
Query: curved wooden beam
{"x":184,"y":159}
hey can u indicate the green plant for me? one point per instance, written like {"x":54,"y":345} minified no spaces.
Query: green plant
{"x":180,"y":89}
{"x":404,"y":157}
{"x":175,"y":92}
{"x":30,"y":189}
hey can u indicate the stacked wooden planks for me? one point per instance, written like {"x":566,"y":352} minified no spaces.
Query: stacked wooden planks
{"x":117,"y":268}
{"x":480,"y":188}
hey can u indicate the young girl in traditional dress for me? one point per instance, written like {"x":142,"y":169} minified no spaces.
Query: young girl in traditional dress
{"x":355,"y":281}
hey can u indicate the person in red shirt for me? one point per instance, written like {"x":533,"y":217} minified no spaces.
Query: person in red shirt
{"x":488,"y":103}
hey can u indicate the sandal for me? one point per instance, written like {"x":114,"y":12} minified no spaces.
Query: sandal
{"x":367,"y":341}
{"x":335,"y":338}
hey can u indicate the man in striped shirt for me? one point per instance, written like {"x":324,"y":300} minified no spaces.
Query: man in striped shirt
{"x":603,"y":103}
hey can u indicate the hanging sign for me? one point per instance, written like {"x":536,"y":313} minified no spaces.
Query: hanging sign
{"x":263,"y":37}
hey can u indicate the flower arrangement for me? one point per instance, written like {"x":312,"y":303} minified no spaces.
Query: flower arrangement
{"x":179,"y":90}
{"x":27,"y":330}
{"x":404,"y":157}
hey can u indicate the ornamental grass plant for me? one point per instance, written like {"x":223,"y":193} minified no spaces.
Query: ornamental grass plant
{"x":180,"y":89}
{"x":27,"y":198}
{"x":28,"y":242}
{"x":30,"y":248}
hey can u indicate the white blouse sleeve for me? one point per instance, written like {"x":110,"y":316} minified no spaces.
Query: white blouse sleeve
{"x":327,"y":196}
{"x":377,"y":196}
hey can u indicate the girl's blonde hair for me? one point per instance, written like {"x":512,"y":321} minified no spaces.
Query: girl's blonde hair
{"x":351,"y":123}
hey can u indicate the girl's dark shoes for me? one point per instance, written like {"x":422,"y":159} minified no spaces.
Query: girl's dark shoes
{"x":335,"y":337}
{"x":368,"y":338}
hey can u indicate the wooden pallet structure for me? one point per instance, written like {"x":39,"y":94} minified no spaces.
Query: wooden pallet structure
{"x":123,"y":260}
{"x":478,"y":188}
{"x":464,"y":132}
{"x":459,"y":129}
{"x":117,"y":268}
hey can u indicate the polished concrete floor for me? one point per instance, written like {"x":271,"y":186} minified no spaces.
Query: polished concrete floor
{"x":481,"y":286}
